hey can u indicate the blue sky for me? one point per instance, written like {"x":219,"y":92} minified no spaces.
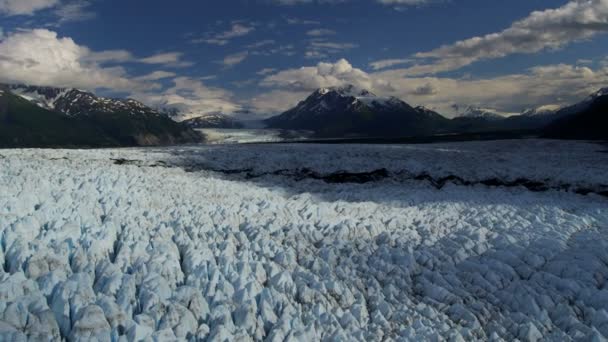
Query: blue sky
{"x":265,"y":55}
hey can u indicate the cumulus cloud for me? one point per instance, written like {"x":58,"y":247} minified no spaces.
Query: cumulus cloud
{"x":191,"y":97}
{"x":41,"y":57}
{"x":25,"y":7}
{"x":321,"y":75}
{"x":552,"y":84}
{"x":549,"y":29}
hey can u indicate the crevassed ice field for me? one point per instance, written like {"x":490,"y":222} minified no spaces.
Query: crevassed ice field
{"x":463,"y":241}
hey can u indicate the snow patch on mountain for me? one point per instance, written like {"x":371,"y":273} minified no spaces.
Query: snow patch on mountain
{"x":542,"y":110}
{"x":482,"y":113}
{"x":44,"y":97}
{"x":75,"y":102}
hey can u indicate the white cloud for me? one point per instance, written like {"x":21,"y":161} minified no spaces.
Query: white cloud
{"x":156,"y":75}
{"x":25,"y":7}
{"x":266,"y":71}
{"x":192,"y":98}
{"x":298,"y":21}
{"x":321,"y":75}
{"x":320,"y":48}
{"x":553,"y":84}
{"x":109,"y":56}
{"x":276,"y":101}
{"x":223,"y":38}
{"x":234,"y":59}
{"x":549,"y":29}
{"x":77,"y":10}
{"x":261,"y":43}
{"x":320,"y":32}
{"x":40,"y":57}
{"x":171,"y":59}
{"x":387,"y":63}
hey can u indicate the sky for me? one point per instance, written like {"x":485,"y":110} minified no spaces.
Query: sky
{"x":255,"y":58}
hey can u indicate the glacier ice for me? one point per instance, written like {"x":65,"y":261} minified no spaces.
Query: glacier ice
{"x":93,"y":250}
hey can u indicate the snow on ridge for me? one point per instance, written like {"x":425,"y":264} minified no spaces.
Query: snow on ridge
{"x":96,"y":250}
{"x":39,"y":98}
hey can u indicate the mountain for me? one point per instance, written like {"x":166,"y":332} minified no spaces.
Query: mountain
{"x":587,"y":120}
{"x":351,"y":111}
{"x":213,"y":120}
{"x":481,"y":113}
{"x":74,"y":102}
{"x":25,"y":124}
{"x":119,"y":122}
{"x":583,"y":105}
{"x":541,"y":111}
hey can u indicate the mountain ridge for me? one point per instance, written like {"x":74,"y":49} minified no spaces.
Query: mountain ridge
{"x":109,"y":122}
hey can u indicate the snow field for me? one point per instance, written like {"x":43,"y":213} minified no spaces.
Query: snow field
{"x":94,"y":250}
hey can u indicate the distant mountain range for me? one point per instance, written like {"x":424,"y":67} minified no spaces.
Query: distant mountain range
{"x":349,"y":111}
{"x":33,"y":116}
{"x":214,"y":120}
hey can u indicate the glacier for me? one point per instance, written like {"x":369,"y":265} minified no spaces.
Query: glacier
{"x":220,"y":243}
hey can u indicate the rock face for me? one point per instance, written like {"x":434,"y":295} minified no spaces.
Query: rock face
{"x":51,"y":117}
{"x":350,"y":111}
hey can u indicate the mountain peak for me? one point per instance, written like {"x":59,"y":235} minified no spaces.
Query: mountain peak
{"x":75,"y":102}
{"x":348,"y":90}
{"x":481,"y":113}
{"x":542,"y":110}
{"x":599,"y":93}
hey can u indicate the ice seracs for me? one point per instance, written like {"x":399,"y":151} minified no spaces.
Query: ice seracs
{"x":139,"y":251}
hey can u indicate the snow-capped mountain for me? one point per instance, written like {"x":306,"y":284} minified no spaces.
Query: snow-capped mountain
{"x":349,"y":110}
{"x":583,"y":105}
{"x":586,"y":120}
{"x":428,"y":112}
{"x":213,"y":120}
{"x":481,"y":113}
{"x":542,"y":110}
{"x":32,"y":116}
{"x":74,"y":102}
{"x":349,"y":97}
